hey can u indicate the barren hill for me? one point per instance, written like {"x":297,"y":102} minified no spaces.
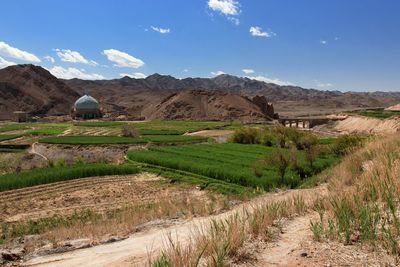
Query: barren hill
{"x":210,"y":105}
{"x":34,"y":90}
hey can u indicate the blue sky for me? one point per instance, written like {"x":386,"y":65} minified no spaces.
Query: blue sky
{"x":329,"y":45}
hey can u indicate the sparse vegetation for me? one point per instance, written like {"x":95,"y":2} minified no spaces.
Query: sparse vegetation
{"x":380,"y":114}
{"x":122,"y":221}
{"x":223,"y":240}
{"x":363,"y":204}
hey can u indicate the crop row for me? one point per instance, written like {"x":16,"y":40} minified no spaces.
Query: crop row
{"x":88,"y":140}
{"x":56,"y":174}
{"x":233,"y":163}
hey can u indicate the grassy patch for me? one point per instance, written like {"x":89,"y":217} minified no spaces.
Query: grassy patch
{"x":100,"y":123}
{"x":174,"y":138}
{"x":56,"y":174}
{"x":232,"y":163}
{"x":91,"y":140}
{"x":46,"y":131}
{"x":180,"y":126}
{"x":380,"y":114}
{"x":98,"y":140}
{"x":13,"y":127}
{"x":4,"y":137}
{"x":195,"y":179}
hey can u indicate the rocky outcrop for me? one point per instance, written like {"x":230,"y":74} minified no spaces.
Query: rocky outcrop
{"x":211,"y":105}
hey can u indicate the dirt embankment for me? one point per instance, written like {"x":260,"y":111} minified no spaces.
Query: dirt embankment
{"x":365,"y":125}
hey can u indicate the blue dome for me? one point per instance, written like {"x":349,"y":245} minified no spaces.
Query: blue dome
{"x":86,"y":102}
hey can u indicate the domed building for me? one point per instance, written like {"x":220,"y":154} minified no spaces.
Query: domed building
{"x":86,"y":107}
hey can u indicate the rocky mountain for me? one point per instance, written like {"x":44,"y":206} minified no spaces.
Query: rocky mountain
{"x":211,"y":105}
{"x":34,"y":90}
{"x":137,"y":94}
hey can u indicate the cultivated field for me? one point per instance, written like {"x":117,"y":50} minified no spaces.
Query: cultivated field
{"x":67,"y":186}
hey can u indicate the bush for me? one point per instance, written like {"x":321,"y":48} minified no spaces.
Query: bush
{"x":346,"y":143}
{"x":268,"y":138}
{"x":246,"y":135}
{"x":130,"y":131}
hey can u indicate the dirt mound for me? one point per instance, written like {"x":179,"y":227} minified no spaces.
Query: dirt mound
{"x":357,"y":124}
{"x":393,"y":108}
{"x":34,"y":90}
{"x":211,"y":105}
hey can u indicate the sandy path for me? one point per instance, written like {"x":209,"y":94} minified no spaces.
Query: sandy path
{"x":32,"y":150}
{"x":286,"y":251}
{"x":136,"y":248}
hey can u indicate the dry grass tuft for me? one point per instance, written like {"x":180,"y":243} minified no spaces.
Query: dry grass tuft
{"x":224,"y":240}
{"x":364,"y":201}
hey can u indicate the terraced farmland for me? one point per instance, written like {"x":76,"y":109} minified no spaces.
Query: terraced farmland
{"x":232,"y":163}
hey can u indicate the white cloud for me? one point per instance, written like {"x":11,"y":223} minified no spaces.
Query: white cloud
{"x":323,"y":85}
{"x":185,"y":70}
{"x":70,"y":73}
{"x":136,"y":75}
{"x":4,"y":63}
{"x":226,"y":7}
{"x":9,"y":51}
{"x":337,"y":38}
{"x":323,"y":42}
{"x":269,"y":80}
{"x":122,"y":59}
{"x":68,"y":55}
{"x":229,"y":8}
{"x":216,"y":73}
{"x":160,"y":30}
{"x":235,"y":21}
{"x":248,"y":71}
{"x":258,"y":31}
{"x":50,"y":59}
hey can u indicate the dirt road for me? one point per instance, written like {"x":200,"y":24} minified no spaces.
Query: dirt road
{"x":135,"y":249}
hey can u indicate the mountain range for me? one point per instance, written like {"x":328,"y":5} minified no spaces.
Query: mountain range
{"x":35,"y":90}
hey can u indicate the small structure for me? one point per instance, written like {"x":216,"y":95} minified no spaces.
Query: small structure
{"x":86,"y":107}
{"x":20,"y":116}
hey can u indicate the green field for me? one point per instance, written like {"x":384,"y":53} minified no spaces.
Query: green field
{"x":380,"y":114}
{"x":4,"y":137}
{"x":98,"y":140}
{"x":56,"y":174}
{"x":232,"y":163}
{"x":176,"y":127}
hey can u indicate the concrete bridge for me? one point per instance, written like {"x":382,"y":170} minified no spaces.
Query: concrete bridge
{"x":305,"y":123}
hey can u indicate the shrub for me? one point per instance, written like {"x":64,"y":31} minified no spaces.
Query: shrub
{"x":281,"y":160}
{"x":268,"y":138}
{"x":346,"y":143}
{"x":246,"y":135}
{"x":309,"y":143}
{"x":130,"y":131}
